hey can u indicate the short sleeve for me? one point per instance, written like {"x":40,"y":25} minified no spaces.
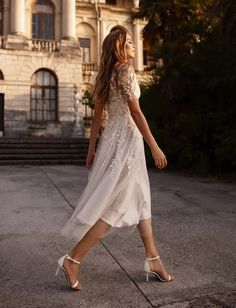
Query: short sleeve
{"x":125,"y":81}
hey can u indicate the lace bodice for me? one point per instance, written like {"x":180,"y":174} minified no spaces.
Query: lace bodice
{"x":123,"y":88}
{"x":121,"y":127}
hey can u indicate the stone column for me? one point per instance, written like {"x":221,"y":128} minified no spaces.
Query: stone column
{"x":138,"y":41}
{"x":17,"y":25}
{"x":68,"y":19}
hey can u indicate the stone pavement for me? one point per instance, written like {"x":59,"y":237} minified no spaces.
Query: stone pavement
{"x":193,"y":220}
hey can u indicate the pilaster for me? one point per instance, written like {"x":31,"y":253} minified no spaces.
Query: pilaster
{"x":138,"y":41}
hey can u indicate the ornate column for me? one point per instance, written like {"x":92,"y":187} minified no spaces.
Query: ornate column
{"x":138,"y":41}
{"x":68,"y":19}
{"x":17,"y":25}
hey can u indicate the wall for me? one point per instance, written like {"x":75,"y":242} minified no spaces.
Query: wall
{"x":18,"y":68}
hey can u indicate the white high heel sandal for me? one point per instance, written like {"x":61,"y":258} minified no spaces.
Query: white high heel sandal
{"x":60,"y":266}
{"x":148,"y":270}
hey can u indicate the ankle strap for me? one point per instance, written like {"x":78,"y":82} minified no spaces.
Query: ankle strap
{"x":71,"y":259}
{"x":154,"y":258}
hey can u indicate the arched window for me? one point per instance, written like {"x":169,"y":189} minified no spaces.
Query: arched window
{"x":43,"y":96}
{"x":1,"y":75}
{"x":43,"y":20}
{"x":1,"y":17}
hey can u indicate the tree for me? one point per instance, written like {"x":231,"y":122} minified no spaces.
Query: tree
{"x":194,"y":117}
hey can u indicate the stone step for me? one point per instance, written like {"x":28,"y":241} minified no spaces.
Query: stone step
{"x":36,"y":151}
{"x":43,"y":162}
{"x":43,"y":146}
{"x":43,"y":150}
{"x":44,"y":140}
{"x":41,"y":156}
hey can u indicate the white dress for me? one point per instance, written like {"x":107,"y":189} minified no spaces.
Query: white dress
{"x":118,"y":190}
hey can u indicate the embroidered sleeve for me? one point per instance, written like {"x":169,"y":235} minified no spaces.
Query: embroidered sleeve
{"x":125,"y":81}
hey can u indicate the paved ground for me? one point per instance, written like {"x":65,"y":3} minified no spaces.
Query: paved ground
{"x":194,"y":221}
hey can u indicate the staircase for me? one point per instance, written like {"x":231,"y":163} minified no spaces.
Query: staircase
{"x":43,"y":151}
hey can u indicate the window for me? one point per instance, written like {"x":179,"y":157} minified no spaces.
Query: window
{"x":1,"y":17}
{"x":1,"y":75}
{"x":85,"y":49}
{"x":43,"y":97}
{"x":112,"y":2}
{"x":43,"y":20}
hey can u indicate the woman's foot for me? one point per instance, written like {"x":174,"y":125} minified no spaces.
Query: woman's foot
{"x":157,"y":266}
{"x":72,"y":270}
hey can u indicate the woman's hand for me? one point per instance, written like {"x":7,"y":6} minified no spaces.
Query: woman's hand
{"x":159,"y":157}
{"x":89,"y":160}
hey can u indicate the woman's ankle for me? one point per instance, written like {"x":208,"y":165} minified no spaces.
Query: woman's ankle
{"x":74,"y":255}
{"x":152,"y":254}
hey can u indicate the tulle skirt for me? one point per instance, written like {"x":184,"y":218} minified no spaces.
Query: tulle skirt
{"x":118,"y":190}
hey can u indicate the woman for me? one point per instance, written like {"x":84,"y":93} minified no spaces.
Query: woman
{"x":118,"y":192}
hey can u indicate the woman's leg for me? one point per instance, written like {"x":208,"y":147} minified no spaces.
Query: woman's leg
{"x":145,"y":231}
{"x":90,"y":239}
{"x":84,"y":245}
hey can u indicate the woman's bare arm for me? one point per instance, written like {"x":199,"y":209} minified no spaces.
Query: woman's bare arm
{"x":97,"y":118}
{"x":141,"y":123}
{"x":125,"y":81}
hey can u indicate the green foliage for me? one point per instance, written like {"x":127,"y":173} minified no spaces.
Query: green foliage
{"x":87,"y":99}
{"x":192,"y":107}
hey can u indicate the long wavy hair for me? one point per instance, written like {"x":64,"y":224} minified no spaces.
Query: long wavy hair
{"x":113,"y":51}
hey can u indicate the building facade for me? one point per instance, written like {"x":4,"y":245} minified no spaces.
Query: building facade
{"x":50,"y":51}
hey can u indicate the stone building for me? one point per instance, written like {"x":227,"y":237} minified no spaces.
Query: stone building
{"x":50,"y":50}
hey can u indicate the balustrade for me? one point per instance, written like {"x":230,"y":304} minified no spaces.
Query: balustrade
{"x":89,"y":67}
{"x":45,"y":46}
{"x":2,"y":42}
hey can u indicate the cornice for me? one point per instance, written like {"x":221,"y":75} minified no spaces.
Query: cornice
{"x":103,"y":7}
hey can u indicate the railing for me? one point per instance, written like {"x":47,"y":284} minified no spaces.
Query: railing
{"x":89,"y":67}
{"x":36,"y":45}
{"x":44,"y":46}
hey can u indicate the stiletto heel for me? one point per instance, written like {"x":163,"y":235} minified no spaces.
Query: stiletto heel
{"x":57,"y":271}
{"x":61,"y":266}
{"x":148,"y":270}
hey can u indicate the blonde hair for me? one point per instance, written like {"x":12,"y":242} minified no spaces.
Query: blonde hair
{"x":113,"y":51}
